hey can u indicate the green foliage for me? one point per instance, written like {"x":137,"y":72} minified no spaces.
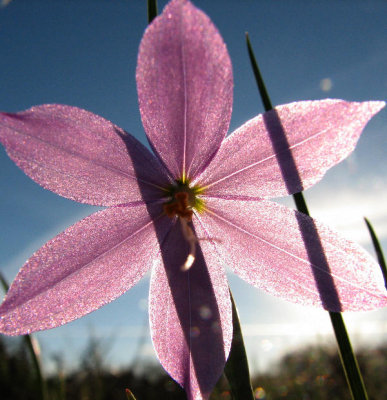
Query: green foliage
{"x":313,"y":373}
{"x":18,"y":379}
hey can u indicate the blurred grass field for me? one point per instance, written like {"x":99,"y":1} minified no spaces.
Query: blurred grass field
{"x":311,"y":373}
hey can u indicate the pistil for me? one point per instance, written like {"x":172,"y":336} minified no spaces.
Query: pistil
{"x":191,"y":238}
{"x":181,"y":206}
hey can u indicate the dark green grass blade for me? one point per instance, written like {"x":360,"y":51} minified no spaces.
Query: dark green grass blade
{"x":29,"y":341}
{"x":258,"y":77}
{"x":347,"y":356}
{"x":237,"y":367}
{"x":152,"y":10}
{"x":378,"y":250}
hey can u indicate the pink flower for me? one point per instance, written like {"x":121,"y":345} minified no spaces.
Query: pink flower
{"x":196,"y":205}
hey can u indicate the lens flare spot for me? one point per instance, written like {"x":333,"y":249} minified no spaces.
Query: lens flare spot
{"x":326,"y":84}
{"x":215,"y":326}
{"x":259,"y":393}
{"x":194,"y":332}
{"x":205,"y":312}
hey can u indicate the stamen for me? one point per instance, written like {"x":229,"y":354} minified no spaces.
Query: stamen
{"x":183,"y":201}
{"x":179,"y":206}
{"x":191,"y":238}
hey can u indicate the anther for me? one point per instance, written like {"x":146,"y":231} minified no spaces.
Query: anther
{"x":179,"y":206}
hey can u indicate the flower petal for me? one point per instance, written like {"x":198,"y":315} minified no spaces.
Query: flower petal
{"x":288,"y":149}
{"x":292,"y":256}
{"x":190,"y":316}
{"x":184,"y":82}
{"x":80,"y":155}
{"x":88,"y":265}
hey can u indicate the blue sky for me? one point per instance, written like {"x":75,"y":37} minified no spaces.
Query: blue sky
{"x":83,"y":53}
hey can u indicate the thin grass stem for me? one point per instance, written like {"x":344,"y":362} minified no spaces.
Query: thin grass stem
{"x":378,"y":250}
{"x":237,"y":367}
{"x":33,"y":348}
{"x":347,"y":356}
{"x":152,"y":10}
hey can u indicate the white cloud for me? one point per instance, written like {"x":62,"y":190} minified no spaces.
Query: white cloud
{"x":345,"y":212}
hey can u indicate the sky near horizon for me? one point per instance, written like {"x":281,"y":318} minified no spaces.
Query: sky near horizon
{"x":83,"y":53}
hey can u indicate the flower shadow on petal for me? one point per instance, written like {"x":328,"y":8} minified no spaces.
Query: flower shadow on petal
{"x":324,"y":281}
{"x":206,"y":351}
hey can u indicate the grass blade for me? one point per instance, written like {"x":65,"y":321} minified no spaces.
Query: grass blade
{"x":33,"y":348}
{"x":237,"y":367}
{"x":378,"y":250}
{"x":347,"y":356}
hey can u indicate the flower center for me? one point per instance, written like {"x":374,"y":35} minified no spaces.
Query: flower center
{"x":183,"y":200}
{"x":179,"y":206}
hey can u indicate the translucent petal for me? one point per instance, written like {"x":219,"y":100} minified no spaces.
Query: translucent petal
{"x":292,"y":256}
{"x":190,"y":316}
{"x":184,"y":82}
{"x":288,"y":149}
{"x":88,"y":265}
{"x":80,"y":155}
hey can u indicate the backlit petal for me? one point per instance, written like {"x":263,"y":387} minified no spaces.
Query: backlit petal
{"x":190,"y":316}
{"x":288,"y":149}
{"x":88,"y":265}
{"x":184,"y":82}
{"x":80,"y":155}
{"x":276,"y":249}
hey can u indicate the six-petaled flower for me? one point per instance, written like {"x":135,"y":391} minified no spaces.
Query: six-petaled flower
{"x":190,"y":208}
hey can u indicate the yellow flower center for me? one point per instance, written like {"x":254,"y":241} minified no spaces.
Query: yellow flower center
{"x":183,"y":199}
